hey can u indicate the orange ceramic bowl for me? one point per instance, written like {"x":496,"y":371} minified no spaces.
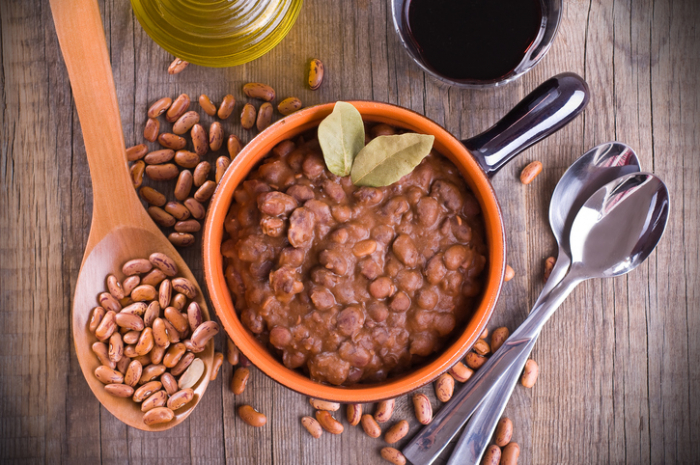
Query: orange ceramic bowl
{"x":260,"y":356}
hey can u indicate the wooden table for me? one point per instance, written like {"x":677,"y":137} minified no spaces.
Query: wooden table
{"x":620,"y":377}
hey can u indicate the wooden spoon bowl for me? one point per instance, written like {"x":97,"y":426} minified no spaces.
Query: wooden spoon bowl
{"x":121,"y":229}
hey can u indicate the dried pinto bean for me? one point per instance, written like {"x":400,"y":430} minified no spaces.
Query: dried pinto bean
{"x":222,"y":164}
{"x":354,"y":414}
{"x":186,"y":159}
{"x":171,"y":141}
{"x":178,"y":108}
{"x":248,"y":116}
{"x":206,"y":104}
{"x":158,"y":415}
{"x":136,"y":152}
{"x":201,"y":173}
{"x":164,"y":172}
{"x":397,"y":432}
{"x":504,"y":432}
{"x":264,"y":116}
{"x":239,"y":381}
{"x":260,"y":91}
{"x":188,"y":226}
{"x":233,"y":146}
{"x":498,"y":337}
{"x":226,"y":107}
{"x":205,"y":191}
{"x":199,"y":140}
{"x":251,"y":416}
{"x":152,"y":196}
{"x":423,"y":409}
{"x":385,"y":409}
{"x":177,"y":210}
{"x":161,"y":217}
{"x":159,"y":107}
{"x":530,"y":373}
{"x":216,"y":136}
{"x":370,"y":426}
{"x":196,"y":209}
{"x":177,"y":66}
{"x":183,"y":185}
{"x":218,"y":361}
{"x":316,"y":73}
{"x":136,"y":171}
{"x":289,"y":105}
{"x":393,"y":455}
{"x":151,"y":130}
{"x":329,"y":423}
{"x":312,"y":426}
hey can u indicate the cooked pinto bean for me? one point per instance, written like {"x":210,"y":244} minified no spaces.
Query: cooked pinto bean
{"x":351,"y":284}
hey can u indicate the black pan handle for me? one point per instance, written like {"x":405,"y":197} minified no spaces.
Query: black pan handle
{"x":543,"y":112}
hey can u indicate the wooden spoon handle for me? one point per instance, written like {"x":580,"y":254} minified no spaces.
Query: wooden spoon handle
{"x":82,"y":40}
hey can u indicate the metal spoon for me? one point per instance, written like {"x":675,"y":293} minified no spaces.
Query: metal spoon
{"x":615,"y":230}
{"x":586,"y":175}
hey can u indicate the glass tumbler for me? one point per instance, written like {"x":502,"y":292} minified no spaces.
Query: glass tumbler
{"x":551,"y":16}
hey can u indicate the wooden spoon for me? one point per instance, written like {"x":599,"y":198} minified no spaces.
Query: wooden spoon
{"x":121,"y":229}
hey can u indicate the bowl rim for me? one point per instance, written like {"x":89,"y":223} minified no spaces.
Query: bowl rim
{"x":256,"y":150}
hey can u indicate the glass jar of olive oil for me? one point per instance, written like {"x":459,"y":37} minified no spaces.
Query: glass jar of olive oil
{"x":217,"y":33}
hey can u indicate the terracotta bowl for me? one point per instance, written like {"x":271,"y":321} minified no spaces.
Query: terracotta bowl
{"x":548,"y":108}
{"x":259,"y":355}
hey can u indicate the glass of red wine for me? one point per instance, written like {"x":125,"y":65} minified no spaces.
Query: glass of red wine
{"x":476,"y":43}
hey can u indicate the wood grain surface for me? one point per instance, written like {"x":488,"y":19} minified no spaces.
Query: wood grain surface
{"x":619,"y":372}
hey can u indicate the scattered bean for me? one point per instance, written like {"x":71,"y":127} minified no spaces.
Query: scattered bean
{"x":530,"y":172}
{"x":136,"y":152}
{"x":119,"y":390}
{"x":393,"y":455}
{"x":205,"y":192}
{"x":234,"y":146}
{"x":216,"y":136}
{"x":199,"y":140}
{"x":136,"y":171}
{"x":177,"y":210}
{"x":183,"y":185}
{"x":232,"y":352}
{"x":259,"y":91}
{"x":164,"y":172}
{"x":289,"y":105}
{"x":444,"y":387}
{"x":316,"y":72}
{"x":474,"y":360}
{"x":151,"y":130}
{"x":530,"y":373}
{"x":370,"y":426}
{"x":159,"y":107}
{"x":384,"y":411}
{"x":248,"y":116}
{"x":218,"y":361}
{"x":178,"y":108}
{"x":423,"y":409}
{"x":208,"y":107}
{"x":222,"y":164}
{"x":171,"y":141}
{"x":329,"y":423}
{"x":498,"y":337}
{"x":177,"y":66}
{"x":107,"y":375}
{"x":152,"y":196}
{"x":354,"y":413}
{"x":509,"y":274}
{"x":186,"y":159}
{"x":460,"y":372}
{"x":226,"y":107}
{"x":397,"y":432}
{"x":196,"y":209}
{"x":510,"y":454}
{"x":312,"y":426}
{"x":251,"y":416}
{"x":240,"y":380}
{"x":188,"y":226}
{"x":264,"y":116}
{"x":548,"y":267}
{"x":481,"y":347}
{"x":504,"y":432}
{"x":492,"y":456}
{"x":324,"y":405}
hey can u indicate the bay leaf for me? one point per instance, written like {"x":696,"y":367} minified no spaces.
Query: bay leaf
{"x":341,"y":136}
{"x":386,"y":159}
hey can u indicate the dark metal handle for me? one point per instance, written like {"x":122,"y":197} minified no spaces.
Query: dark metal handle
{"x":543,"y":112}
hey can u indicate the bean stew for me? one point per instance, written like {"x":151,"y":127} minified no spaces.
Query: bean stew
{"x":353,"y":284}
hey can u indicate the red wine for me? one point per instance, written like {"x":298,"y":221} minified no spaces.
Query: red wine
{"x":473,"y":39}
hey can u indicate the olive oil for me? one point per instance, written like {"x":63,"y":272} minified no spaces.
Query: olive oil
{"x":478,"y":40}
{"x":217,"y":33}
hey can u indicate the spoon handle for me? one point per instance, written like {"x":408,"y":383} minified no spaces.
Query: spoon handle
{"x":432,"y":439}
{"x":82,"y":40}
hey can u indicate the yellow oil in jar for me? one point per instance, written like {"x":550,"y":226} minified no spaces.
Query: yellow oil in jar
{"x":217,"y":33}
